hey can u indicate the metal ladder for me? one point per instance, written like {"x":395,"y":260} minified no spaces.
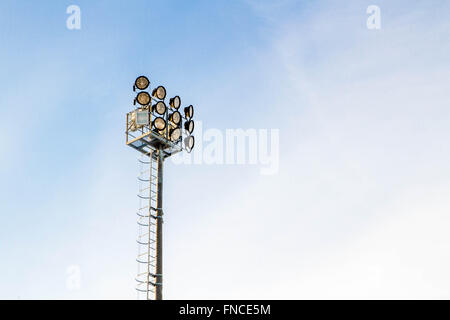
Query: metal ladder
{"x":146,"y":220}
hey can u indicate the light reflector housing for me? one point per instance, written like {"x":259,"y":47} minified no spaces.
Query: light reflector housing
{"x":175,"y":117}
{"x":189,"y":112}
{"x":159,"y":123}
{"x":143,"y":98}
{"x":175,"y":102}
{"x":159,"y":93}
{"x":189,"y":143}
{"x":189,"y":126}
{"x":142,"y":82}
{"x":160,"y":107}
{"x":175,"y":134}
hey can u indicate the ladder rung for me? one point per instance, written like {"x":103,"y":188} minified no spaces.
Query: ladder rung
{"x":144,"y":253}
{"x":145,"y":234}
{"x":146,"y":243}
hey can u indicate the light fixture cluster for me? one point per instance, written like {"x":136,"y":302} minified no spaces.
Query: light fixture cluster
{"x":164,"y":120}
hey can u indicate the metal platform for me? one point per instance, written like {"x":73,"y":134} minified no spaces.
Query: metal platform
{"x":147,"y":141}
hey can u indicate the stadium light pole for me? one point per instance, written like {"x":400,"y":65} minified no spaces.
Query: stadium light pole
{"x":156,"y":134}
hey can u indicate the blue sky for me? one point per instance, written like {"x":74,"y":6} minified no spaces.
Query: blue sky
{"x":358,"y":209}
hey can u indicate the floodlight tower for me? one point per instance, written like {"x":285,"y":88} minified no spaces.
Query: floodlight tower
{"x":157,"y":131}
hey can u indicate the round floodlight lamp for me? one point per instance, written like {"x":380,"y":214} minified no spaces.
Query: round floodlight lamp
{"x":143,"y":98}
{"x":142,"y":83}
{"x":189,"y":112}
{"x":175,"y":117}
{"x":175,"y":134}
{"x":159,"y":123}
{"x":159,"y":93}
{"x":189,"y":126}
{"x":160,"y":107}
{"x":175,"y":102}
{"x":189,"y":143}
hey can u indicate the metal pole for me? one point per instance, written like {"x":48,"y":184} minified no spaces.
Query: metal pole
{"x":159,"y":223}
